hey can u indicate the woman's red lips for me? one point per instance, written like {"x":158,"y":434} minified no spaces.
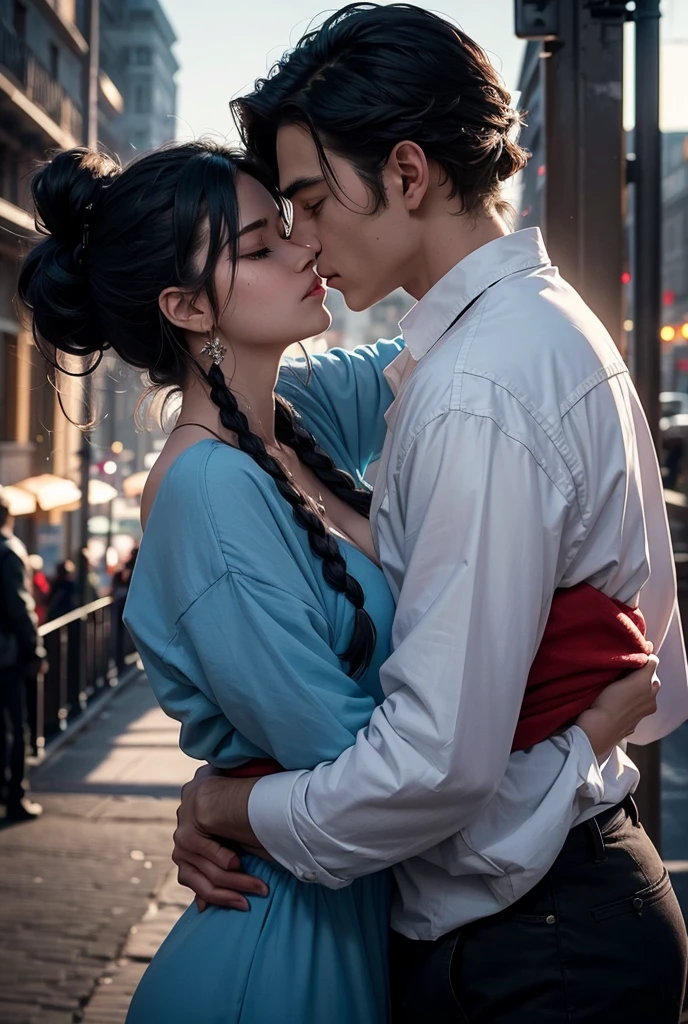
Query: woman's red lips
{"x":318,"y":288}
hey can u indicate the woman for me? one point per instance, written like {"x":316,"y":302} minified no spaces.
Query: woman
{"x":62,"y":597}
{"x":257,"y":604}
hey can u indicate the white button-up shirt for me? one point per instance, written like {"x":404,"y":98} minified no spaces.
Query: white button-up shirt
{"x":517,"y":460}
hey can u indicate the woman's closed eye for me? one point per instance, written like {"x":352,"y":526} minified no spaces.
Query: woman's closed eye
{"x":261,"y":254}
{"x":282,"y":231}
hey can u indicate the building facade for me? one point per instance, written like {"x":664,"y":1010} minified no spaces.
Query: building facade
{"x":136,"y":40}
{"x":44,"y":57}
{"x":675,"y":260}
{"x":42,"y":54}
{"x":531,"y":104}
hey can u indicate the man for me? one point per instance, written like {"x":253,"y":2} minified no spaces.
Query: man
{"x":518,"y":462}
{"x":21,"y":656}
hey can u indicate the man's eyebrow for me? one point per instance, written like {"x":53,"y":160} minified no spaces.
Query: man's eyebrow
{"x":300,"y":183}
{"x":262,"y":223}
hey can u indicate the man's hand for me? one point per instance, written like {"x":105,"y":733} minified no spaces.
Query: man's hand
{"x":215,"y":807}
{"x":620,"y":708}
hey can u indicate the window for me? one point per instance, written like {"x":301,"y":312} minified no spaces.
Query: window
{"x":8,"y":386}
{"x":143,"y":97}
{"x":143,"y":56}
{"x":20,"y":19}
{"x":54,"y":61}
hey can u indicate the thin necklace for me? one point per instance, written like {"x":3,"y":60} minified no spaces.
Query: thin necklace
{"x":203,"y":427}
{"x":319,"y":504}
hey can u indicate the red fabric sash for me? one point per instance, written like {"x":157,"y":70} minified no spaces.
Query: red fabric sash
{"x":259,"y":767}
{"x":590,"y":641}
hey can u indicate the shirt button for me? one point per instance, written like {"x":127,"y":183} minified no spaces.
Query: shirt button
{"x":309,"y":876}
{"x":550,"y":919}
{"x":638,"y":903}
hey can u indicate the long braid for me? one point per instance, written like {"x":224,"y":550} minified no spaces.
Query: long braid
{"x":323,"y":545}
{"x":290,"y":432}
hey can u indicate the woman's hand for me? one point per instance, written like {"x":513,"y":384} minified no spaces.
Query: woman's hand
{"x":620,"y":708}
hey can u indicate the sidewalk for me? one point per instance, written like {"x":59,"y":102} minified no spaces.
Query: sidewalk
{"x":94,"y":867}
{"x":88,"y":892}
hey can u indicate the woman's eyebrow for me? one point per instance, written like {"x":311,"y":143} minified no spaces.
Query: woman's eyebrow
{"x":262,"y":223}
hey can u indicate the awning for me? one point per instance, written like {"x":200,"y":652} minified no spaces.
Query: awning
{"x":100,"y":493}
{"x":133,"y":485}
{"x":51,"y":492}
{"x":56,"y":493}
{"x":21,"y":503}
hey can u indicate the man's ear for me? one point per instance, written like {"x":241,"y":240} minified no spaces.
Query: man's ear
{"x":184,"y":311}
{"x":408,"y":161}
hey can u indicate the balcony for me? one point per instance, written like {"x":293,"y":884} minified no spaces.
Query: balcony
{"x":19,"y":65}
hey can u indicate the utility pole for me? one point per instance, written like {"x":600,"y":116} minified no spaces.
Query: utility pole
{"x":585,"y":153}
{"x":91,"y":110}
{"x":647,"y":307}
{"x":585,"y":181}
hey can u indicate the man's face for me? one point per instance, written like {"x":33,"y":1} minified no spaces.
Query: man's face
{"x":364,"y":255}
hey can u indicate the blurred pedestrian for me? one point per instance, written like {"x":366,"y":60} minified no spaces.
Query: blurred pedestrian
{"x":119,"y":591}
{"x":40,"y":588}
{"x":22,"y":657}
{"x":63,"y":591}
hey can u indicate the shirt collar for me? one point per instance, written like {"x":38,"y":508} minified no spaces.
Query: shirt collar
{"x":432,"y":315}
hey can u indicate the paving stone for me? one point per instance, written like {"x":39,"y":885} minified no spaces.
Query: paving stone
{"x":70,"y":891}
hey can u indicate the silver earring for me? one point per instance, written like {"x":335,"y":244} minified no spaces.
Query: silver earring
{"x":215,"y":350}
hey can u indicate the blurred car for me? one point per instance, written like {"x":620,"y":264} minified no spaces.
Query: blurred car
{"x":673,"y":429}
{"x":673,"y":410}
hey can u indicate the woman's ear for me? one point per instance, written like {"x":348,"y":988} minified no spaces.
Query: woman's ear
{"x":184,"y":310}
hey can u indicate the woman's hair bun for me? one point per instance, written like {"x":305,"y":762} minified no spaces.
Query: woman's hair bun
{"x":53,"y":283}
{"x":63,"y":189}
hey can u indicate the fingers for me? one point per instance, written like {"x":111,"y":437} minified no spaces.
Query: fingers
{"x":193,"y":879}
{"x":188,"y":841}
{"x":236,"y":881}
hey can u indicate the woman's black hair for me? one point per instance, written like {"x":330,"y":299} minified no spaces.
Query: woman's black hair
{"x":115,"y":239}
{"x":373,"y":76}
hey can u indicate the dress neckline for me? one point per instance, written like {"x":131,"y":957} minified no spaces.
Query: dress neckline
{"x":217,"y":439}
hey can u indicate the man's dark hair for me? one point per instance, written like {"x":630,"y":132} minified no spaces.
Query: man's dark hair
{"x":374,"y":76}
{"x":4,"y":512}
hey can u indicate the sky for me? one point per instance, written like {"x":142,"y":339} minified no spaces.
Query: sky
{"x":224,"y":45}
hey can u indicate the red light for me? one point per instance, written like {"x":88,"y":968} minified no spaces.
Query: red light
{"x":542,"y":170}
{"x":668,"y":298}
{"x":625,"y":277}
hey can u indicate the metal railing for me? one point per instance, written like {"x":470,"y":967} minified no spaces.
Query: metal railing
{"x":37,"y":82}
{"x":87,"y":649}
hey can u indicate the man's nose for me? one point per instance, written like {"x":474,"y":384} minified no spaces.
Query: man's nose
{"x":304,"y":233}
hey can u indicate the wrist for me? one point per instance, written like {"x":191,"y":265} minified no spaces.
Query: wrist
{"x":222,"y":808}
{"x":596,"y":725}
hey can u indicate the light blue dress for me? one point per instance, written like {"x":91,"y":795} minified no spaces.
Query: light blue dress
{"x":240,"y":637}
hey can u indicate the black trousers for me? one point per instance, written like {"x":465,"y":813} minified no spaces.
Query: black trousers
{"x":600,"y":940}
{"x":13,"y":732}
